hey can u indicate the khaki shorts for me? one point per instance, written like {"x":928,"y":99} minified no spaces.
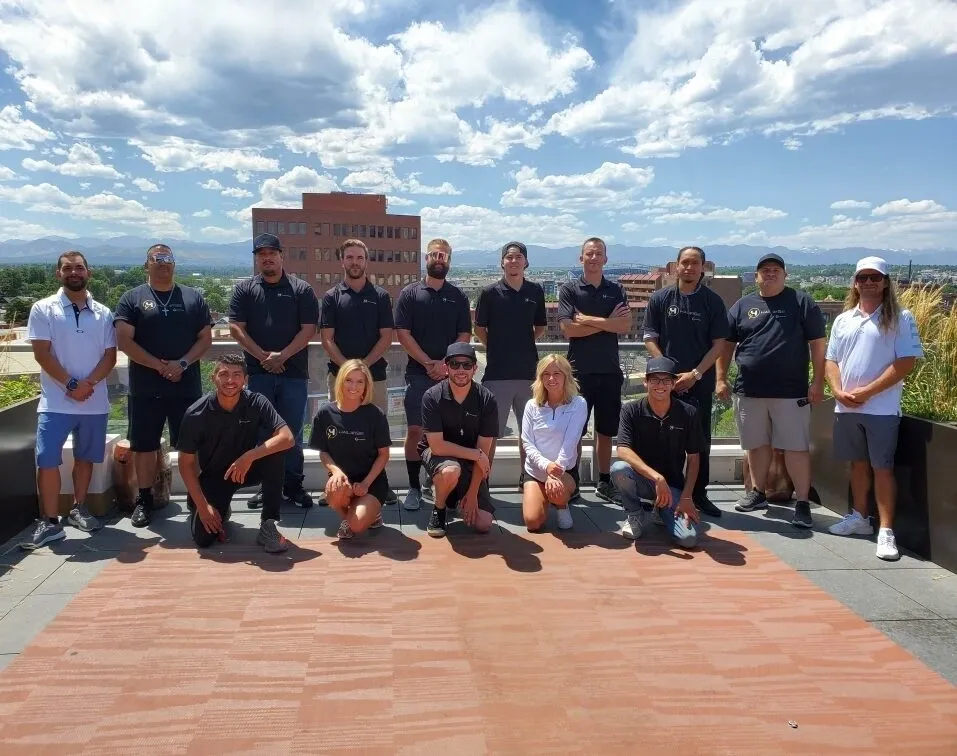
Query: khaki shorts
{"x":380,"y":397}
{"x":780,"y":423}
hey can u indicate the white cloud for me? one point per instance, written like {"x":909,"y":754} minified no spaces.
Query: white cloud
{"x":175,"y":154}
{"x":703,"y":72}
{"x":850,"y":205}
{"x":211,"y":184}
{"x":906,"y":207}
{"x":470,"y":227}
{"x":13,"y":228}
{"x":631,"y":226}
{"x":749,"y":216}
{"x":7,"y":174}
{"x":666,"y":203}
{"x":394,"y":201}
{"x":104,"y":207}
{"x":18,"y":133}
{"x":235,"y":191}
{"x":202,"y":213}
{"x":218,"y":234}
{"x":792,"y":143}
{"x":287,"y":190}
{"x":384,"y":180}
{"x":611,"y":185}
{"x":82,"y":161}
{"x":145,"y":185}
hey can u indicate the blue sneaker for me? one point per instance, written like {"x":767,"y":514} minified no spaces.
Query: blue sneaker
{"x":44,"y":532}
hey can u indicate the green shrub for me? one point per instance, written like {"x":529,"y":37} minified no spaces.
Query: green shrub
{"x":13,"y":390}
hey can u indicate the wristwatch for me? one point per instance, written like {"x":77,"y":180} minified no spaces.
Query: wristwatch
{"x":183,"y":364}
{"x":72,"y":385}
{"x":696,"y":373}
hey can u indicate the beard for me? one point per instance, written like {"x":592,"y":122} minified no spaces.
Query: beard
{"x":75,"y":284}
{"x":355,"y":273}
{"x":437,"y":270}
{"x":460,"y":379}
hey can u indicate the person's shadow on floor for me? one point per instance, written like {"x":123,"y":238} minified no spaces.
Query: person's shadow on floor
{"x":389,"y":542}
{"x":655,"y":542}
{"x":518,"y":553}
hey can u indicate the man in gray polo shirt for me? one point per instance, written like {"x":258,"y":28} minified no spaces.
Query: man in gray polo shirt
{"x":874,"y":346}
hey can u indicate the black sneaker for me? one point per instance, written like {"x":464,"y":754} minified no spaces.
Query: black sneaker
{"x":606,"y":490}
{"x":300,"y":498}
{"x":751,"y":502}
{"x":436,"y":527}
{"x":802,"y":514}
{"x":141,"y":513}
{"x":256,"y":500}
{"x":391,"y":498}
{"x":708,"y":507}
{"x":576,"y":494}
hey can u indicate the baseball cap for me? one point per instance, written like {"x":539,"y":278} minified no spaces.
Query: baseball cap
{"x":460,"y":349}
{"x":517,"y":245}
{"x":771,"y":257}
{"x":266,"y":241}
{"x":872,"y":263}
{"x":661,"y":365}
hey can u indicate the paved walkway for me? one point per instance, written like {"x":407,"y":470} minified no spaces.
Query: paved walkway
{"x":512,"y":643}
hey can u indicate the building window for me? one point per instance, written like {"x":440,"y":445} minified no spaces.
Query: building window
{"x":318,"y":229}
{"x":326,"y":277}
{"x":388,"y":255}
{"x":335,"y":230}
{"x":327,"y":254}
{"x":390,"y":280}
{"x":415,"y":233}
{"x":389,"y":231}
{"x":282,"y":228}
{"x":362,"y":231}
{"x":271,"y":227}
{"x":380,"y":231}
{"x":325,"y":229}
{"x":302,"y":253}
{"x":260,"y":227}
{"x":317,"y":255}
{"x":405,"y":255}
{"x":319,"y":276}
{"x":405,"y":232}
{"x":302,"y":229}
{"x":415,"y":255}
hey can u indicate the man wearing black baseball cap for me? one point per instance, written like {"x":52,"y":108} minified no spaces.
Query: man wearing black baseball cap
{"x":509,"y":317}
{"x":273,"y":316}
{"x":459,"y":423}
{"x":771,"y":335}
{"x":659,"y":449}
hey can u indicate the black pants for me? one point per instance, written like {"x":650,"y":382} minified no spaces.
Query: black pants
{"x":701,"y":395}
{"x":219,"y":493}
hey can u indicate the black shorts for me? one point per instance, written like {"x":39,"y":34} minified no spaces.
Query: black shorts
{"x":433,"y":463}
{"x":380,"y":488}
{"x":148,"y":414}
{"x":603,"y":392}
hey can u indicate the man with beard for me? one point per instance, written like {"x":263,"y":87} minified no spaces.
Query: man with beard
{"x":164,"y":328}
{"x":429,"y":316}
{"x":273,"y":317}
{"x":75,"y":346}
{"x":688,"y":323}
{"x":220,"y":451}
{"x":356,"y":323}
{"x":460,"y":419}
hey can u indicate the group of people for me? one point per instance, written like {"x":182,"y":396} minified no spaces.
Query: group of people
{"x":249,"y":430}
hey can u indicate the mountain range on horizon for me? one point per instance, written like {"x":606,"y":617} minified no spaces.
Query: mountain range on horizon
{"x":131,"y":250}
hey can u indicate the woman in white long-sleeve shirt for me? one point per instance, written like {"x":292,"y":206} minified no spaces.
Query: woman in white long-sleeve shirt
{"x":551,"y":429}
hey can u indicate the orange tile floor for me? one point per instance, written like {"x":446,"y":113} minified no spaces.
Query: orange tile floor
{"x":502,"y":644}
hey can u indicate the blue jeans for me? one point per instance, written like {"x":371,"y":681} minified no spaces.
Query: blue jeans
{"x":288,"y":396}
{"x":634,"y":487}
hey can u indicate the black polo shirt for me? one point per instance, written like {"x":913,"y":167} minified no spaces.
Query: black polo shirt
{"x":510,"y":316}
{"x":434,"y":317}
{"x":167,"y":335}
{"x":662,"y":442}
{"x":274,"y":314}
{"x":772,"y":334}
{"x":686,"y":325}
{"x":356,"y":317}
{"x":460,"y":424}
{"x":352,"y":439}
{"x":219,"y":437}
{"x":598,"y":353}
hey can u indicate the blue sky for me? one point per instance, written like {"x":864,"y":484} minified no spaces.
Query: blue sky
{"x":825,"y":123}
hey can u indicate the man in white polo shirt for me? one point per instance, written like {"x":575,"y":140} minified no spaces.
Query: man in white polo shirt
{"x":74,"y":344}
{"x":874,"y":345}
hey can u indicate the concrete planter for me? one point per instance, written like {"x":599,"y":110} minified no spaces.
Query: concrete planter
{"x":18,"y":472}
{"x":926,"y":519}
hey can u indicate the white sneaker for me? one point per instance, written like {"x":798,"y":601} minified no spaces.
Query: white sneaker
{"x":852,"y":524}
{"x":413,"y":500}
{"x":565,"y":521}
{"x":887,"y":545}
{"x":345,"y":532}
{"x":632,"y":528}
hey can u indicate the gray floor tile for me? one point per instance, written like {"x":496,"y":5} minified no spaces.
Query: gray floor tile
{"x":934,"y":589}
{"x":867,"y":596}
{"x":7,"y":603}
{"x":73,"y":575}
{"x":28,"y":618}
{"x":5,"y":659}
{"x":860,"y":552}
{"x":801,"y":554}
{"x":934,"y":642}
{"x":28,"y":571}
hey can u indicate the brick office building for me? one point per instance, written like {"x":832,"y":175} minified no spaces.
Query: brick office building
{"x":311,"y":235}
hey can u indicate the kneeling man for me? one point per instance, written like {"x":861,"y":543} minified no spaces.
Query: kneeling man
{"x":219,"y":453}
{"x":460,"y":423}
{"x":657,"y":435}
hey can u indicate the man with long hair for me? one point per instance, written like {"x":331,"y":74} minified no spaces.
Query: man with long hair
{"x":874,"y":346}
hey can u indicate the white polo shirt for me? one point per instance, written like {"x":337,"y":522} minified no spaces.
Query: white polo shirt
{"x":79,"y":337}
{"x":863,"y":352}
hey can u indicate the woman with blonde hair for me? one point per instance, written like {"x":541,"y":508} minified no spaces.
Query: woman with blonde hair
{"x":352,"y":437}
{"x":551,"y":429}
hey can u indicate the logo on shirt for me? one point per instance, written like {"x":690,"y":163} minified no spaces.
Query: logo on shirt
{"x":753,"y":313}
{"x":470,"y":414}
{"x":148,"y":305}
{"x":673,"y":311}
{"x":245,"y":422}
{"x":530,"y":301}
{"x":332,"y":432}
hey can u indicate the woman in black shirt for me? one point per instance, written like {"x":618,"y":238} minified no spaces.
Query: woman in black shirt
{"x":352,"y":436}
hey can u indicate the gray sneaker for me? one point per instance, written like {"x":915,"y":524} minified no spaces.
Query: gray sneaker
{"x":44,"y":532}
{"x":269,"y":537}
{"x":81,"y":518}
{"x":633,"y":528}
{"x":751,"y":501}
{"x":413,"y":500}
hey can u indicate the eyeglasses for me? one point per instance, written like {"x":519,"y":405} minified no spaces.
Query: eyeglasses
{"x":872,"y":277}
{"x":460,"y":364}
{"x":664,"y":381}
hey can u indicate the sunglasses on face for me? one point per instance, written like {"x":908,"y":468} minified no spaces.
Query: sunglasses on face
{"x":167,"y":259}
{"x":460,"y":364}
{"x":872,"y":277}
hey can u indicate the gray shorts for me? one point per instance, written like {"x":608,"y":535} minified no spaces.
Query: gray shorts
{"x":780,"y":423}
{"x":866,"y":438}
{"x":434,"y":463}
{"x":415,"y":388}
{"x":510,"y":396}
